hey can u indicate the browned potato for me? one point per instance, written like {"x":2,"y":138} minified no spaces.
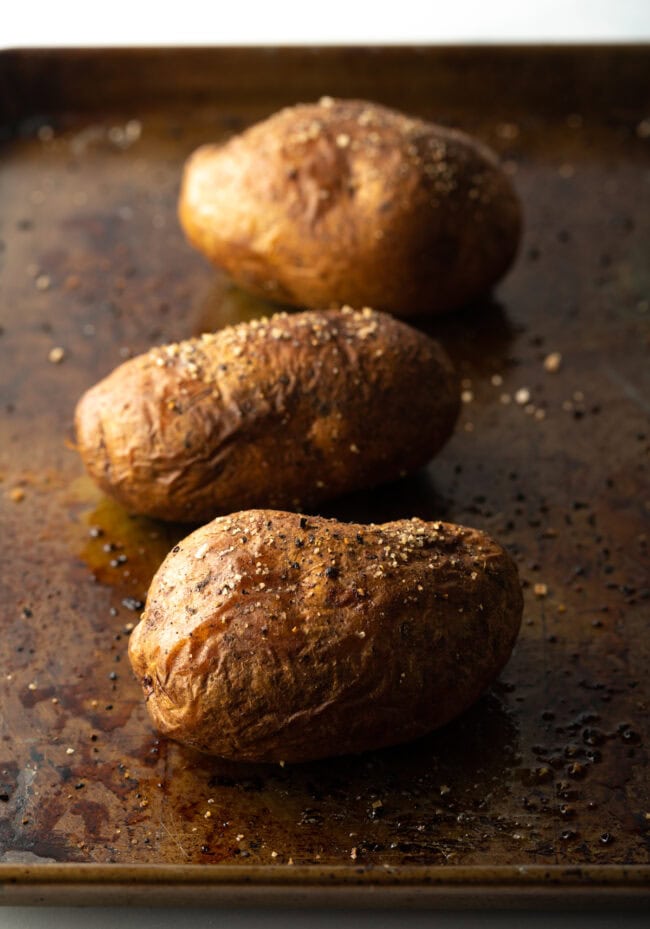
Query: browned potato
{"x":281,"y":412}
{"x":345,"y":201}
{"x":270,"y":636}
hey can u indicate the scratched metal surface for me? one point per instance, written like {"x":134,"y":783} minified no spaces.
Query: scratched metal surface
{"x":548,"y":768}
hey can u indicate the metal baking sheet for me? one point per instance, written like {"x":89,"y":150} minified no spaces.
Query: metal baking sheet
{"x":537,"y":795}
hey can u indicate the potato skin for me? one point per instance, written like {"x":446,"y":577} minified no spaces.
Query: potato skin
{"x":269,"y":636}
{"x":283,"y":412}
{"x":346,"y":201}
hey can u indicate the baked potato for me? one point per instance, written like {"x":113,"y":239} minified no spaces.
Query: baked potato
{"x":270,"y":636}
{"x":345,"y":201}
{"x":281,"y":412}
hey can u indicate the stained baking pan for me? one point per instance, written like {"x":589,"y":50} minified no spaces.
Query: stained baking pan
{"x":539,"y":794}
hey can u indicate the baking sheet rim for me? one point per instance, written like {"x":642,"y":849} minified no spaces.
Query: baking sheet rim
{"x":438,"y":876}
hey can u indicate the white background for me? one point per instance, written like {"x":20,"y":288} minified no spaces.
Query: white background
{"x":200,"y":22}
{"x":119,"y":22}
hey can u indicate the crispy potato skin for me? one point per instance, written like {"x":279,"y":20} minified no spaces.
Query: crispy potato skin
{"x":268,"y":636}
{"x":350,"y":202}
{"x":283,"y":412}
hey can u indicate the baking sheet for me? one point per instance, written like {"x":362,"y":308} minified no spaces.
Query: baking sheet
{"x":537,"y":794}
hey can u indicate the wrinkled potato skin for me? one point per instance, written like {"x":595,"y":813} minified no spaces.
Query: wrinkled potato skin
{"x":282,"y":412}
{"x":350,"y":202}
{"x":268,"y":636}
